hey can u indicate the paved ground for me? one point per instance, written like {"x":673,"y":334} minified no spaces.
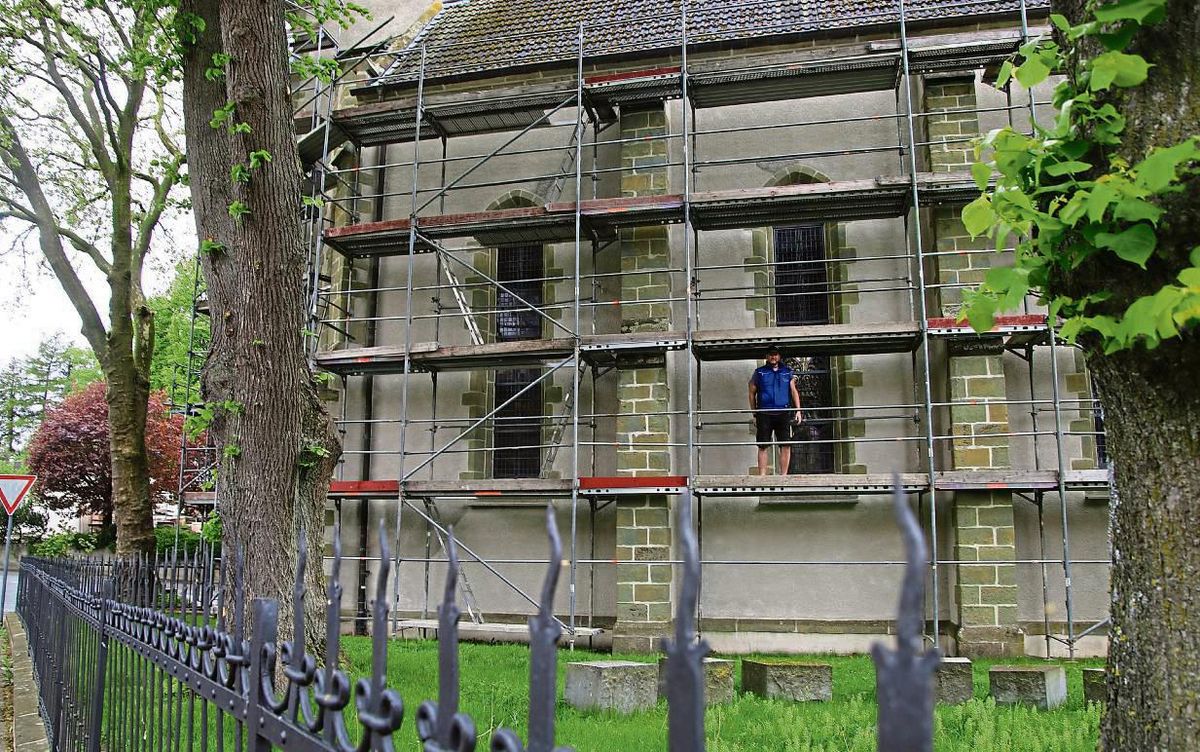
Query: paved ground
{"x":10,"y":595}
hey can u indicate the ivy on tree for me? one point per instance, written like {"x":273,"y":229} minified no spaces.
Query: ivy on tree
{"x":1067,"y":196}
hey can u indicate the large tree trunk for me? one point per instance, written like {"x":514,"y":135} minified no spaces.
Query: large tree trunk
{"x":279,"y":443}
{"x":126,"y":363}
{"x":1152,"y":413}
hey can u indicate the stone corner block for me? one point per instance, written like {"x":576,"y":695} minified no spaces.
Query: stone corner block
{"x":623,"y":686}
{"x":1044,"y":687}
{"x":788,"y":680}
{"x":953,"y":683}
{"x":1093,"y":685}
{"x":718,"y":680}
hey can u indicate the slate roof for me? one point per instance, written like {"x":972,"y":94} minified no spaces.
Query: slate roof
{"x":473,"y":37}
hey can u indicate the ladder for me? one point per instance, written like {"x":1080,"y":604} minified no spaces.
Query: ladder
{"x":464,"y":585}
{"x":463,"y":306}
{"x":568,"y":162}
{"x":560,"y":427}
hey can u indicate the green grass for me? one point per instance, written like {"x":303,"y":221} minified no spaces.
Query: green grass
{"x":495,"y":685}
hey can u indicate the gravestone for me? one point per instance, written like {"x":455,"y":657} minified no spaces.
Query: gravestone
{"x":623,"y":686}
{"x":1093,"y":685}
{"x":1044,"y":687}
{"x":718,"y":680}
{"x":953,"y":683}
{"x":788,"y":680}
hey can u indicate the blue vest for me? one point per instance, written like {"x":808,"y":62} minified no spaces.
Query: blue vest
{"x":774,"y":387}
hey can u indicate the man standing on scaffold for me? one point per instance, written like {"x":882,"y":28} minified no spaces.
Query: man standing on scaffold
{"x":775,"y":405}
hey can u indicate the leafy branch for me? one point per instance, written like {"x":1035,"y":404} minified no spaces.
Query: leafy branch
{"x":1068,"y":197}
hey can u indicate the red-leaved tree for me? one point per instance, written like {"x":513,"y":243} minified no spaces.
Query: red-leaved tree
{"x":69,"y":452}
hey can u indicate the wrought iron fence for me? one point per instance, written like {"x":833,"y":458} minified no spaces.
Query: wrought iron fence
{"x":148,"y":656}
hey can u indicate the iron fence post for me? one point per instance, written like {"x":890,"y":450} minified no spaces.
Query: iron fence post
{"x":96,"y":724}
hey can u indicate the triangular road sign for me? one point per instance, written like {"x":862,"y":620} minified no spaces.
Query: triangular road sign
{"x":13,"y":489}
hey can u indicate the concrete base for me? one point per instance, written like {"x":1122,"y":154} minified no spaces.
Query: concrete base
{"x":801,"y":682}
{"x":1044,"y":687}
{"x":953,"y":682}
{"x":623,"y":686}
{"x":1093,"y":685}
{"x":718,"y":680}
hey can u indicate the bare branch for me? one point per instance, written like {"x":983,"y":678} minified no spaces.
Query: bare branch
{"x":50,"y":239}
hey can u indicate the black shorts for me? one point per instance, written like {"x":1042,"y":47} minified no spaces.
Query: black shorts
{"x":777,"y":422}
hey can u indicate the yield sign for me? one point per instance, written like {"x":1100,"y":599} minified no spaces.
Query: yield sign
{"x":13,"y":489}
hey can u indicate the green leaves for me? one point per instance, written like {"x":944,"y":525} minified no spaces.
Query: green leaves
{"x":1064,"y":197}
{"x":258,"y":158}
{"x":1158,"y":171}
{"x":1134,"y":245}
{"x":1117,"y":68}
{"x":1143,"y":12}
{"x":238,"y":209}
{"x":222,"y":115}
{"x":217,"y":70}
{"x":978,"y":216}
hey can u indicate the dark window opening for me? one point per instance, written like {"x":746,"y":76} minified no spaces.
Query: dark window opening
{"x":519,"y":268}
{"x":802,"y":298}
{"x":517,"y":429}
{"x":517,"y":436}
{"x":801,"y":279}
{"x":812,"y":451}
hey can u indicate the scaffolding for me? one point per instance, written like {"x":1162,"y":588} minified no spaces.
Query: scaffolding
{"x":351,"y":221}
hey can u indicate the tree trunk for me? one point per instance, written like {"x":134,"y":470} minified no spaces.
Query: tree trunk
{"x":133,"y":509}
{"x":1152,"y":413}
{"x":279,"y":444}
{"x":1152,"y":416}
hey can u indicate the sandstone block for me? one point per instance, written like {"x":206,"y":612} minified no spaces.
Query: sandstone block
{"x":788,"y":680}
{"x":1093,"y":685}
{"x":952,"y":681}
{"x":718,"y":680}
{"x":623,"y":686}
{"x":1044,"y":687}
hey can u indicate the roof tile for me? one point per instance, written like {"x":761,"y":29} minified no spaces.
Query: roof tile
{"x":482,"y":36}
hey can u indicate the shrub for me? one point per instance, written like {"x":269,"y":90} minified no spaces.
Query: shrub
{"x":63,"y":544}
{"x":164,"y":540}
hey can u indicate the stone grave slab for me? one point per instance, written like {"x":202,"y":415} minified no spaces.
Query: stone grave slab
{"x":788,"y":680}
{"x":718,"y":680}
{"x":1044,"y":687}
{"x":623,"y":686}
{"x":953,"y":684}
{"x":1093,"y":685}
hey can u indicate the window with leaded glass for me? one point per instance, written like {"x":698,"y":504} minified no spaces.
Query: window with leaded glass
{"x":802,"y":298}
{"x":801,"y":277}
{"x":517,"y":429}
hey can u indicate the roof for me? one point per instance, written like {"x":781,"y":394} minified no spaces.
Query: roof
{"x":475,"y":37}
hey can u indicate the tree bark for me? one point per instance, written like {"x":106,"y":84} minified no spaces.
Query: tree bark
{"x":1152,"y":416}
{"x":280,"y":446}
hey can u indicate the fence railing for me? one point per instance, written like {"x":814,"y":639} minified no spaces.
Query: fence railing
{"x":148,"y":656}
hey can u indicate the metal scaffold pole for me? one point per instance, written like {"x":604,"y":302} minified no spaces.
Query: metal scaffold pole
{"x":575,"y":401}
{"x":693,"y":363}
{"x":923,"y":325}
{"x":408,"y":321}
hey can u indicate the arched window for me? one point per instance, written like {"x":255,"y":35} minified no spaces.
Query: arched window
{"x":802,"y":297}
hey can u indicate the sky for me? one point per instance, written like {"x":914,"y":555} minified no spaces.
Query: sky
{"x":33,"y":306}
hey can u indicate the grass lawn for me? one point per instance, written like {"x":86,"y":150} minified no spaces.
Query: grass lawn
{"x":495,"y":685}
